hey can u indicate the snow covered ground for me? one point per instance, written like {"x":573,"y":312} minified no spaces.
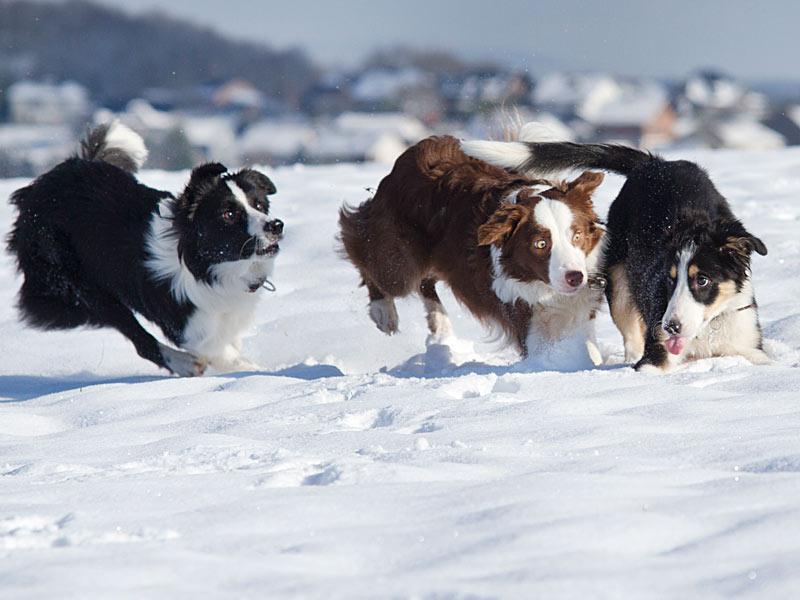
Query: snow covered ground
{"x":361,"y":466}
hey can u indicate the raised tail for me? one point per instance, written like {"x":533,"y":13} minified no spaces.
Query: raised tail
{"x":549,"y":159}
{"x":115,"y":144}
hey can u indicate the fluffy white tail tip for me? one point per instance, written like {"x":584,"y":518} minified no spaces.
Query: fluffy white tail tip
{"x":126,"y":140}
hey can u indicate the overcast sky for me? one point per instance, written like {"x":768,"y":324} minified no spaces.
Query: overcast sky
{"x":748,"y":39}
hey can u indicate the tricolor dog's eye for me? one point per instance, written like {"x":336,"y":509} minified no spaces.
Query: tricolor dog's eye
{"x":540,"y":244}
{"x":702,"y":281}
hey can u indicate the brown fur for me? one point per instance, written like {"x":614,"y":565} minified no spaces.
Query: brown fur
{"x":435,"y":216}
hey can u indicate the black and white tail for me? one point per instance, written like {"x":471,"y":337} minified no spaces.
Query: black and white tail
{"x":543,"y":158}
{"x":115,"y":144}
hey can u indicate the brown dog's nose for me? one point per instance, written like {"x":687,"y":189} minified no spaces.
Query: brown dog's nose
{"x":574,"y":278}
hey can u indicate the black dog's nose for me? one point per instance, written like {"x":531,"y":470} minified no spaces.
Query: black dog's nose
{"x":672,"y":327}
{"x":275,"y":227}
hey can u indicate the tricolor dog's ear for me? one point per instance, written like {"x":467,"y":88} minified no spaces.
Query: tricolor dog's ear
{"x":583,"y":186}
{"x":501,"y":224}
{"x":745,"y":244}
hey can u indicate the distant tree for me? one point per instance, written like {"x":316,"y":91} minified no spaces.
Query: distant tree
{"x":117,"y":56}
{"x":440,"y":62}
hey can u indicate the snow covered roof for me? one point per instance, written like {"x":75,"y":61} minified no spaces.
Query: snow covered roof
{"x":632,"y":105}
{"x":563,"y":89}
{"x":745,"y":133}
{"x":68,"y":92}
{"x":406,"y":126}
{"x":281,"y":138}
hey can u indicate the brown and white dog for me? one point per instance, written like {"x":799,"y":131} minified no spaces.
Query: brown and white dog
{"x":519,"y":253}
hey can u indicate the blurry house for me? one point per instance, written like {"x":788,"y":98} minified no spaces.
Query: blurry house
{"x":28,"y":150}
{"x":330,"y":96}
{"x":467,"y":94}
{"x":212,"y":135}
{"x":745,"y":133}
{"x":48,"y":103}
{"x":383,"y":87}
{"x":786,"y":121}
{"x":716,"y":111}
{"x":409,"y":90}
{"x":712,"y":95}
{"x":562,"y":93}
{"x":361,"y":136}
{"x":599,"y":107}
{"x":636,"y":114}
{"x":177,"y":139}
{"x":274,"y":142}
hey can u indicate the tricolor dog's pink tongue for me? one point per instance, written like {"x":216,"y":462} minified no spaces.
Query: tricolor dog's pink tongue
{"x":675,"y":344}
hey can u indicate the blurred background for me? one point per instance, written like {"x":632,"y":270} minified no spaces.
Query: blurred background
{"x":262,"y":82}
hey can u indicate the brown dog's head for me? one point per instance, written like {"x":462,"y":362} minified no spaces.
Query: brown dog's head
{"x":547,"y":235}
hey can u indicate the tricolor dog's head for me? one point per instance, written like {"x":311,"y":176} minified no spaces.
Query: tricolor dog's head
{"x":708,"y":273}
{"x":543,"y":235}
{"x":223,"y":225}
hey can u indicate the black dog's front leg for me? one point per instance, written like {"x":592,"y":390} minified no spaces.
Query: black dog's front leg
{"x":114,"y":314}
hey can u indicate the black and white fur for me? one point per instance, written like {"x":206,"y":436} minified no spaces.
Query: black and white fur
{"x":677,"y":259}
{"x":96,"y":246}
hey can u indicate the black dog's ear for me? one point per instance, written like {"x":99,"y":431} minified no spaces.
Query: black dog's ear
{"x":202,"y":179}
{"x":203,"y":172}
{"x":257,"y":180}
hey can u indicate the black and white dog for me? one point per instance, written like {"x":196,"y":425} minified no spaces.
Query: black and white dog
{"x":96,"y":246}
{"x":677,"y":258}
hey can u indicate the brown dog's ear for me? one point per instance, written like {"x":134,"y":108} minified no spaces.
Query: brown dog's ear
{"x":501,"y":224}
{"x":584,"y":185}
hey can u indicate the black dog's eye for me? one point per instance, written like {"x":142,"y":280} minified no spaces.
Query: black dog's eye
{"x":701,"y":281}
{"x":261,"y":207}
{"x":228,"y":215}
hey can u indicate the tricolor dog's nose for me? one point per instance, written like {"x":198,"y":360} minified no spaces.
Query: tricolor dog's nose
{"x":673,"y":327}
{"x":574,"y":278}
{"x":275,"y":227}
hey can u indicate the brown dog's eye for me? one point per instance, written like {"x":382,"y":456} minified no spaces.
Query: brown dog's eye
{"x":576,"y":237}
{"x":540,"y":244}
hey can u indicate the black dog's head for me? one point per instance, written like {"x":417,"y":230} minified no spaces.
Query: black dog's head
{"x":223,"y":218}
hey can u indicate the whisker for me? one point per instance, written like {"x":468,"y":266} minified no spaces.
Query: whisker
{"x":247,"y":241}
